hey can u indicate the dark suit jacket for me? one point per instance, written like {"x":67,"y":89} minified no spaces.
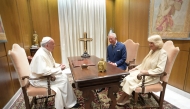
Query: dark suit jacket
{"x":117,"y":55}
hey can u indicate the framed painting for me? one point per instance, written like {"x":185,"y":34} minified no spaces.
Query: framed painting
{"x":2,"y":32}
{"x":170,"y":19}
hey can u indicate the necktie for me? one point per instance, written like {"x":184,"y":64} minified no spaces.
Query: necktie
{"x":113,"y":46}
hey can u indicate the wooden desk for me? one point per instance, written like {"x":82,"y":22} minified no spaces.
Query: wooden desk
{"x":90,"y":79}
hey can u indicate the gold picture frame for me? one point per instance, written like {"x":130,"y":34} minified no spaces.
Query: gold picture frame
{"x":170,"y":19}
{"x":2,"y":32}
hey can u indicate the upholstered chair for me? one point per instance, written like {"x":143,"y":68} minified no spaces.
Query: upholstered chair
{"x":172,"y":53}
{"x":21,"y":65}
{"x":132,"y":50}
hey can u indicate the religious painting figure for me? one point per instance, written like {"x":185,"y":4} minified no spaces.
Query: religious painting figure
{"x":167,"y":9}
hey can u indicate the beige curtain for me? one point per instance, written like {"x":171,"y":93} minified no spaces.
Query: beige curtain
{"x":77,"y":17}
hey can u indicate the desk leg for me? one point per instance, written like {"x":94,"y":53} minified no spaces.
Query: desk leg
{"x":113,"y":89}
{"x":88,"y":97}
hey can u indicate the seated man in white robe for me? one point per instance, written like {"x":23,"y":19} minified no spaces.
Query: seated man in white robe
{"x":44,"y":64}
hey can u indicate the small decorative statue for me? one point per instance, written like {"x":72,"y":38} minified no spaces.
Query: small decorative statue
{"x":35,"y":39}
{"x":102,"y":65}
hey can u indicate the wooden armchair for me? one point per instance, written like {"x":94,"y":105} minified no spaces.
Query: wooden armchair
{"x":21,"y":65}
{"x":172,"y":53}
{"x":132,"y":49}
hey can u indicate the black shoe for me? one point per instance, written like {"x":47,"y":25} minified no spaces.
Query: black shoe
{"x":100,"y":90}
{"x":77,"y":105}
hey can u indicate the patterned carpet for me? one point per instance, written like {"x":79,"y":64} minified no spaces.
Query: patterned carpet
{"x":101,"y":101}
{"x":98,"y":103}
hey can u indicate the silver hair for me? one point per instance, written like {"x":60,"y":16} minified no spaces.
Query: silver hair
{"x":157,"y":40}
{"x":44,"y":44}
{"x":113,"y":34}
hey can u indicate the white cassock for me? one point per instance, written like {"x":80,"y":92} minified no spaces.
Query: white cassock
{"x":154,"y":63}
{"x":44,"y":64}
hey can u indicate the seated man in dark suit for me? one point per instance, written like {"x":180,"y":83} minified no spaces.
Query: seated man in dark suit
{"x":116,"y":52}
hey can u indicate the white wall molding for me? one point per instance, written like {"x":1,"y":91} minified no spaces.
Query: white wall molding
{"x":13,"y":99}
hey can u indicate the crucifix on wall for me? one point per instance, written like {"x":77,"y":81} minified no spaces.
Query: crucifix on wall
{"x":85,"y":39}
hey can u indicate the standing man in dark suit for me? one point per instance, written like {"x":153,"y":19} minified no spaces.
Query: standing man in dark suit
{"x":116,"y":52}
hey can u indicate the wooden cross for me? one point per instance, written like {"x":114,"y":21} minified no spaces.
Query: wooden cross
{"x":85,"y":39}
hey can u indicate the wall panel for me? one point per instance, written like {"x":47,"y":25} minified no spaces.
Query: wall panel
{"x":14,"y":14}
{"x":187,"y":76}
{"x":40,"y":17}
{"x":126,"y":13}
{"x":138,"y":26}
{"x":56,"y":54}
{"x":7,"y":90}
{"x":187,"y":85}
{"x":11,"y":22}
{"x":177,"y":77}
{"x":25,"y":23}
{"x":54,"y":20}
{"x":54,"y":27}
{"x":184,"y":45}
{"x":109,"y":14}
{"x":9,"y":14}
{"x":121,"y":19}
{"x":138,"y":21}
{"x":180,"y":69}
{"x":142,"y":52}
{"x":2,"y":50}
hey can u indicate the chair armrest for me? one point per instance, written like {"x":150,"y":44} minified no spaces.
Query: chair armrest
{"x":142,"y":76}
{"x":25,"y":77}
{"x":131,"y":66}
{"x":132,"y":62}
{"x":139,"y":76}
{"x":52,"y":78}
{"x":127,"y":63}
{"x":48,"y":77}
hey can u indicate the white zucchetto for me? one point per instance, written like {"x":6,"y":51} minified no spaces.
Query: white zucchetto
{"x":45,"y":40}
